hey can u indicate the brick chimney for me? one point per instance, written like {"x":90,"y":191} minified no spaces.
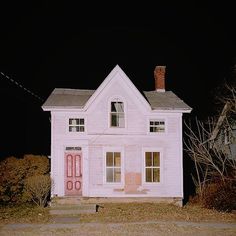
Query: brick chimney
{"x":159,"y":75}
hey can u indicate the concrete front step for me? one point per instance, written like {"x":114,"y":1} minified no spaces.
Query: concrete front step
{"x":73,"y":209}
{"x":65,"y":201}
{"x":71,"y":206}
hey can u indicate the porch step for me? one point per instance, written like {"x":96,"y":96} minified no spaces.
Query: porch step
{"x":71,"y":206}
{"x":55,"y":201}
{"x":73,"y":209}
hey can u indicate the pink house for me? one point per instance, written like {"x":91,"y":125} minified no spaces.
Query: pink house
{"x":116,"y":141}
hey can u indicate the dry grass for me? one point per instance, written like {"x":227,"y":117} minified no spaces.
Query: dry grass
{"x":136,"y":212}
{"x":23,"y":214}
{"x":116,"y":218}
{"x":120,"y":213}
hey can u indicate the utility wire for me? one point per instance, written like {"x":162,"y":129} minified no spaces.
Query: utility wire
{"x":21,"y":86}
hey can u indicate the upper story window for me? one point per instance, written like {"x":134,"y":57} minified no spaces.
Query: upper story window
{"x":157,"y":126}
{"x":117,"y":115}
{"x":76,"y":125}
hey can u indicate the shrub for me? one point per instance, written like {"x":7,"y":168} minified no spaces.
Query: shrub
{"x":37,"y":189}
{"x":13,"y":173}
{"x":220,"y":196}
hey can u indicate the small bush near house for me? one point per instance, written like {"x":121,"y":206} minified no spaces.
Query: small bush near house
{"x":37,"y":189}
{"x":14,"y":172}
{"x":220,"y":196}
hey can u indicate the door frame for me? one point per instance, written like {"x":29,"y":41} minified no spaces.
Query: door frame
{"x":73,"y":152}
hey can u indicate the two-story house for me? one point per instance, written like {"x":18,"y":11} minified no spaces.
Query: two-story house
{"x":116,"y":141}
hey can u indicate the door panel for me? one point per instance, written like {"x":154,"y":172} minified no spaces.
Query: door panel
{"x":73,"y":173}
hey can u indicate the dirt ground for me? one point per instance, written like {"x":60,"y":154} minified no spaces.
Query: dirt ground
{"x":132,"y":228}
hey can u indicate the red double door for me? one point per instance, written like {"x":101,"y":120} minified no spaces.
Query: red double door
{"x":73,"y":173}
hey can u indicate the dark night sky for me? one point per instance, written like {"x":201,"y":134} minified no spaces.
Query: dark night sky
{"x":76,"y":46}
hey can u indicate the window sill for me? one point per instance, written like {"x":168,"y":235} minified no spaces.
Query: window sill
{"x":113,"y":184}
{"x":151,"y":183}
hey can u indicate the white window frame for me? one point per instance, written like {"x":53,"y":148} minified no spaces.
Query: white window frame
{"x":117,"y":99}
{"x":147,"y":149}
{"x":113,"y":149}
{"x":76,"y":125}
{"x":156,"y":120}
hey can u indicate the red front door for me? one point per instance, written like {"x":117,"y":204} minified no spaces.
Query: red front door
{"x":73,"y":173}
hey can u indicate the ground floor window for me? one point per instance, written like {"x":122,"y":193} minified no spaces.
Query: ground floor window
{"x":152,"y":167}
{"x":113,"y":167}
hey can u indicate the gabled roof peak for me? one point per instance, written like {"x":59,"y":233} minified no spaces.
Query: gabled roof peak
{"x":62,"y":98}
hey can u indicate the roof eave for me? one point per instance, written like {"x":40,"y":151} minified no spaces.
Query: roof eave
{"x":172,"y":110}
{"x":62,"y":108}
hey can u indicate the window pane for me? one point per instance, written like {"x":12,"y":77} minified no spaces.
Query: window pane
{"x":114,"y":120}
{"x":119,"y":107}
{"x":155,"y":129}
{"x":73,"y":129}
{"x":109,"y":159}
{"x":148,"y":159}
{"x":81,"y":128}
{"x":117,"y":159}
{"x":109,"y":174}
{"x":75,"y":121}
{"x":117,"y":175}
{"x":70,"y":121}
{"x":148,"y":175}
{"x":113,"y":108}
{"x":121,"y":120}
{"x":156,"y":159}
{"x":156,"y":175}
{"x":81,"y":121}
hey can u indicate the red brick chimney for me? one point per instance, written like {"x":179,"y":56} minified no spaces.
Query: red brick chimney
{"x":159,"y":75}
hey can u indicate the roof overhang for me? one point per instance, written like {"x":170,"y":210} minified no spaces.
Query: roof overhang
{"x":171,"y":111}
{"x":62,"y":108}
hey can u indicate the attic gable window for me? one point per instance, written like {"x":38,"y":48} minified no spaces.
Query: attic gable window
{"x":76,"y":125}
{"x":157,"y":126}
{"x":117,"y":115}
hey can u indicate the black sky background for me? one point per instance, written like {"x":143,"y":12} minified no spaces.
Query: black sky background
{"x":76,"y":46}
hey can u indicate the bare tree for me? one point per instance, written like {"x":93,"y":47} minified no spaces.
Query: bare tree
{"x":204,"y":144}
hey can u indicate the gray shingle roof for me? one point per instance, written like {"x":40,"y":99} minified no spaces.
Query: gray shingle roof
{"x":71,"y":98}
{"x":165,"y":101}
{"x":77,"y":98}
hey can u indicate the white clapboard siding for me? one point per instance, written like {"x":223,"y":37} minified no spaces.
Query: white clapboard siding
{"x":133,"y":156}
{"x":132,"y":141}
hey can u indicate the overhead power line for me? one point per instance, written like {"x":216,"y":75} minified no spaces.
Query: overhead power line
{"x":21,"y":86}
